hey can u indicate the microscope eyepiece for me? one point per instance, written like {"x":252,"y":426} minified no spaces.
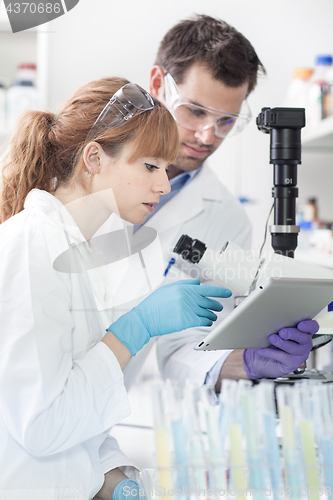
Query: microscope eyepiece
{"x":190,"y":249}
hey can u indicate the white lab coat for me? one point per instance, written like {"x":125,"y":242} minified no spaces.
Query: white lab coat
{"x":61,"y":389}
{"x":206,"y":210}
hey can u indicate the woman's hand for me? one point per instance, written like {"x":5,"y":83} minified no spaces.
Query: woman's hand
{"x":111,"y":480}
{"x":171,"y":308}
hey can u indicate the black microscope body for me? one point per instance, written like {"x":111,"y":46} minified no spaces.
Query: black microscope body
{"x":284,"y":126}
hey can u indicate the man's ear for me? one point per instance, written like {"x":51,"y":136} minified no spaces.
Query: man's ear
{"x":156,"y":83}
{"x":92,"y":157}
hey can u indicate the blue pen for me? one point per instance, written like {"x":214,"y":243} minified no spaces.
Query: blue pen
{"x":171,"y":263}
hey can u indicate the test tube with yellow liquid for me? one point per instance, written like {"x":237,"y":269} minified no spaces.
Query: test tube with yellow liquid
{"x":304,"y":396}
{"x":163,"y":441}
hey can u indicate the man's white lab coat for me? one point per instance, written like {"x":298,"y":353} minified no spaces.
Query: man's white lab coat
{"x":61,"y":389}
{"x":204,"y":209}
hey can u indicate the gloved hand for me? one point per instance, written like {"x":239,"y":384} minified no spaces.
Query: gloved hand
{"x":171,"y":308}
{"x":291,"y":346}
{"x":127,"y":488}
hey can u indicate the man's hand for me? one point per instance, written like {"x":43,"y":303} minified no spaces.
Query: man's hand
{"x":232,"y":369}
{"x":290,"y":347}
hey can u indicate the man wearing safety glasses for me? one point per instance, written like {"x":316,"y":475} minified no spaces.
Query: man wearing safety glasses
{"x":205,"y":69}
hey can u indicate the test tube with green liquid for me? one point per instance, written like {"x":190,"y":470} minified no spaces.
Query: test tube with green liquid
{"x":292,"y":462}
{"x":231,"y":424}
{"x":303,"y":396}
{"x":323,"y":409}
{"x":254,"y":444}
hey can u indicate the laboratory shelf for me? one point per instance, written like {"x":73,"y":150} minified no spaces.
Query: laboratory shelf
{"x":319,"y":136}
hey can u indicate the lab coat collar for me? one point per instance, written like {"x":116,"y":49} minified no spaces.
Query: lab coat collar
{"x":57,"y":212}
{"x":204,"y":186}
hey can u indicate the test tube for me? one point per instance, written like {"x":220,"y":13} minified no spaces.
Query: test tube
{"x":289,"y":440}
{"x":264,"y":393}
{"x":304,"y":397}
{"x":218,"y":466}
{"x":180,"y":437}
{"x":196,"y":446}
{"x":254,"y":448}
{"x":323,"y":410}
{"x":231,"y":422}
{"x":162,"y":441}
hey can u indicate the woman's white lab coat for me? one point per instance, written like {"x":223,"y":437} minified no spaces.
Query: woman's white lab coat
{"x":61,"y":389}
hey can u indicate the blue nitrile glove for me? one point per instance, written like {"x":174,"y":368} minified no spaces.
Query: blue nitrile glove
{"x":171,"y":308}
{"x":127,"y":489}
{"x":291,"y":347}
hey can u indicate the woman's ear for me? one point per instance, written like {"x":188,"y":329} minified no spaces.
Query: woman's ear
{"x":156,"y":83}
{"x":92,"y":157}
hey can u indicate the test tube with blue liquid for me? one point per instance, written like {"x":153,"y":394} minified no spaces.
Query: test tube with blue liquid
{"x":217,"y":461}
{"x":180,"y":438}
{"x":195,"y":440}
{"x":264,"y":395}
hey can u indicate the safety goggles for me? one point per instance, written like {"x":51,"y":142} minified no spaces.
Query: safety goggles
{"x":127,"y":102}
{"x":199,"y":117}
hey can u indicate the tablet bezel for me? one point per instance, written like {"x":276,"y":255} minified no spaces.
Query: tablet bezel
{"x":277,"y":303}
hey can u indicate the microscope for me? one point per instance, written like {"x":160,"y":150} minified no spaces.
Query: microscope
{"x":242,"y":271}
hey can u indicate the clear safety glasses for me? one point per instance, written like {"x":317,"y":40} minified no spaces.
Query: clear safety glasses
{"x":127,"y":102}
{"x":198,"y":117}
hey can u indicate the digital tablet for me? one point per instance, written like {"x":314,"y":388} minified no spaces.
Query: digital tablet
{"x":277,"y":303}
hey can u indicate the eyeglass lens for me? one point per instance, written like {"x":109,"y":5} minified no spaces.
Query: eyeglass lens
{"x":195,"y":118}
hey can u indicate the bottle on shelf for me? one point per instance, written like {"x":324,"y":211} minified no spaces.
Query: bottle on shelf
{"x":320,"y":84}
{"x":307,"y":219}
{"x":310,"y":211}
{"x":22,"y":95}
{"x":297,"y":90}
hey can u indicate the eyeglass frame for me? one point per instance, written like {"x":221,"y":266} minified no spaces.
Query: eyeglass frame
{"x":125,"y":108}
{"x":174,"y":94}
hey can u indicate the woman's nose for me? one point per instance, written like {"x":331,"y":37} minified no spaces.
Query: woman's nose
{"x":163,"y":185}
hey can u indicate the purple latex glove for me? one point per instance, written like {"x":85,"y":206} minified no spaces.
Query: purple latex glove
{"x":290,"y":348}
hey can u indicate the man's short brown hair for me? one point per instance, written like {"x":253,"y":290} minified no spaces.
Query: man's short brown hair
{"x":228,"y":55}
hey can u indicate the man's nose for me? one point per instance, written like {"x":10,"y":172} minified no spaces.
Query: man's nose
{"x":206,"y":136}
